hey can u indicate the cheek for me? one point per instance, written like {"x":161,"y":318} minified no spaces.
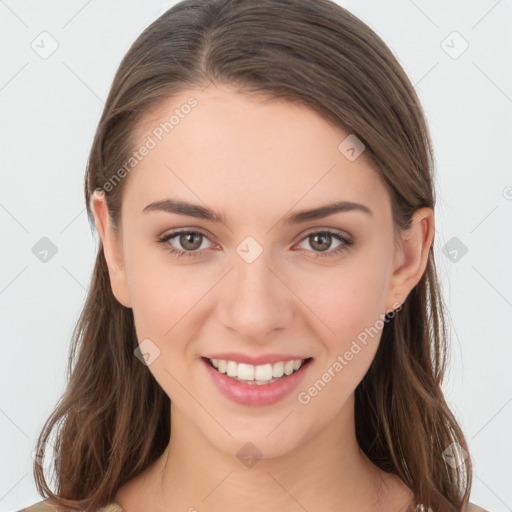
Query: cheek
{"x":351,"y":305}
{"x":350,"y":302}
{"x":163,"y":304}
{"x":165,"y":298}
{"x":347,"y":299}
{"x":161,"y":293}
{"x":170,"y":306}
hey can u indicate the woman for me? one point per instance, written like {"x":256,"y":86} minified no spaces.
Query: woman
{"x":265,"y":288}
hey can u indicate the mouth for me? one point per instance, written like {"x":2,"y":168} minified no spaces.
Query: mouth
{"x":257,"y":375}
{"x":256,"y":385}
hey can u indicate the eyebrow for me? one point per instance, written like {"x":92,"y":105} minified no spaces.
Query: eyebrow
{"x":202,"y":212}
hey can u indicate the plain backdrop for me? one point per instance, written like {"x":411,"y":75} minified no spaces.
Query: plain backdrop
{"x":457,"y":55}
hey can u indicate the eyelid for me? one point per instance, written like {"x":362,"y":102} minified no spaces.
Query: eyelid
{"x":173,"y":233}
{"x":326,"y":229}
{"x":309,"y":231}
{"x":346,"y":240}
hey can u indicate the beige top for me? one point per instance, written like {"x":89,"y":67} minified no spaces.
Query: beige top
{"x":113,"y":506}
{"x":42,"y":506}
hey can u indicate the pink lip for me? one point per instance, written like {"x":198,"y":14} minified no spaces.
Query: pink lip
{"x":255,"y":360}
{"x":253,"y":394}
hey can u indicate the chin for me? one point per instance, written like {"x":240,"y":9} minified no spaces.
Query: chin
{"x":259,"y":442}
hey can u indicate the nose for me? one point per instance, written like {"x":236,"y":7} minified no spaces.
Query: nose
{"x":255,"y":300}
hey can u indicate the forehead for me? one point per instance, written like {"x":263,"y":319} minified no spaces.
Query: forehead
{"x":258,"y":156}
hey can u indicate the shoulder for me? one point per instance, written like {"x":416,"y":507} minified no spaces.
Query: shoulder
{"x":40,"y":506}
{"x":470,"y":507}
{"x":45,"y":506}
{"x":474,"y":508}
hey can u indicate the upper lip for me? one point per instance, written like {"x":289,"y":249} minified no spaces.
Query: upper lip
{"x":255,"y":360}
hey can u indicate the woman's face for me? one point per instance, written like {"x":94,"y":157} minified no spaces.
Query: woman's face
{"x":261,"y":283}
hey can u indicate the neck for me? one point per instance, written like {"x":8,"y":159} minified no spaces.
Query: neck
{"x":326,"y":472}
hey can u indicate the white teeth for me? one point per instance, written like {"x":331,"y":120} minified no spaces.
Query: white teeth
{"x":245,"y":371}
{"x":288,"y":368}
{"x":231,"y":370}
{"x":278,"y":369}
{"x":263,"y":372}
{"x":222,"y":366}
{"x":260,"y":374}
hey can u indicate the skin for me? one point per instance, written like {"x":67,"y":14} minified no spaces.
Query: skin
{"x":255,"y":162}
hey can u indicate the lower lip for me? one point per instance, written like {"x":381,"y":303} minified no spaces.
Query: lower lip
{"x":254,"y":394}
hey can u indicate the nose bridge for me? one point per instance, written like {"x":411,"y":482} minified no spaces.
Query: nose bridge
{"x":256,"y":301}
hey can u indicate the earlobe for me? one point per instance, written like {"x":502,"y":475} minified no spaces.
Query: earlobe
{"x":414,"y":254}
{"x":112,"y":248}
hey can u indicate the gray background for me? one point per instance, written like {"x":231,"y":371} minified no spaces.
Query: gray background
{"x":49,"y":109}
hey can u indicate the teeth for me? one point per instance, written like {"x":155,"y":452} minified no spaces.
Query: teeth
{"x":258,"y":375}
{"x":231,"y":369}
{"x":222,"y":366}
{"x":263,"y":372}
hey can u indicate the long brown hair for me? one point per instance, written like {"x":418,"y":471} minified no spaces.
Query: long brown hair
{"x":115,"y":418}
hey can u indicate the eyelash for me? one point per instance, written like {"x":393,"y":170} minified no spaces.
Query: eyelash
{"x":345,"y":243}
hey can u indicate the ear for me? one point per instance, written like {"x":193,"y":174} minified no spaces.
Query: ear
{"x":112,"y":248}
{"x":412,"y":257}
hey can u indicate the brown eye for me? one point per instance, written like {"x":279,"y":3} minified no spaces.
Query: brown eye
{"x":320,"y":241}
{"x":189,"y":241}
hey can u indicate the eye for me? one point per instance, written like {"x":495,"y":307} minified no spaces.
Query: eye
{"x":322,"y":240}
{"x":191,"y":242}
{"x":188,"y":241}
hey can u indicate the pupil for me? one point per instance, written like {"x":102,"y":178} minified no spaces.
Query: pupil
{"x":187,"y":238}
{"x":325,"y":237}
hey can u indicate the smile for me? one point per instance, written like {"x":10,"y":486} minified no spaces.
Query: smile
{"x":255,"y":385}
{"x":259,"y":374}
